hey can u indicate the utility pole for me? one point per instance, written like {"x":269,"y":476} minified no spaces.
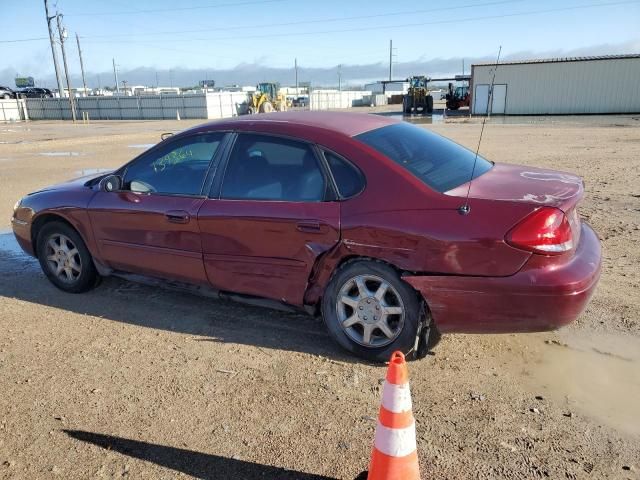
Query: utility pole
{"x":463,"y":66}
{"x":390,"y":59}
{"x":157,"y":84}
{"x":295,"y":66}
{"x":62,"y":32}
{"x":53,"y":47}
{"x":84,"y":82}
{"x":339,"y":78}
{"x":115,"y":74}
{"x":171,"y":78}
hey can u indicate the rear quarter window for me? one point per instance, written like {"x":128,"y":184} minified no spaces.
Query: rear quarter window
{"x":349,"y":180}
{"x":440,"y":163}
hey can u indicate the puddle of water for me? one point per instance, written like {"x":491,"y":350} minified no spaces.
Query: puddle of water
{"x":593,"y":374}
{"x":91,"y":171}
{"x":61,"y":154}
{"x":142,"y":145}
{"x":418,"y":119}
{"x":9,"y":245}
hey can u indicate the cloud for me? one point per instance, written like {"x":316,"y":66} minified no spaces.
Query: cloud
{"x":354,"y":75}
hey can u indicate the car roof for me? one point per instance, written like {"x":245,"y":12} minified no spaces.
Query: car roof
{"x":346,"y":123}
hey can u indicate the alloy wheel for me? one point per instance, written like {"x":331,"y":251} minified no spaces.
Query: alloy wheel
{"x":370,"y":311}
{"x":63,"y":258}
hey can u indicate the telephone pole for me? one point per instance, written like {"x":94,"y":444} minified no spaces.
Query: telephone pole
{"x":115,"y":74}
{"x":62,"y":32}
{"x":339,"y":78}
{"x":84,"y":82}
{"x":295,"y":66}
{"x":53,"y":47}
{"x":391,"y":55}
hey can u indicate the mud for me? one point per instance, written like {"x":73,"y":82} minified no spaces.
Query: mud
{"x":145,"y":381}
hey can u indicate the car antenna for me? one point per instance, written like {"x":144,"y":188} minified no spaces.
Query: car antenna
{"x":465,"y":209}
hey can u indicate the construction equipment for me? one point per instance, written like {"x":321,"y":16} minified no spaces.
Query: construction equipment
{"x":418,"y":98}
{"x":266,"y":99}
{"x":457,"y":97}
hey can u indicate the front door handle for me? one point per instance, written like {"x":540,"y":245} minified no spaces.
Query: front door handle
{"x":310,"y":227}
{"x":177,"y":216}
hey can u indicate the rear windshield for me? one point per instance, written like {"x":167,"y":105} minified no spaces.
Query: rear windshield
{"x":437,"y":161}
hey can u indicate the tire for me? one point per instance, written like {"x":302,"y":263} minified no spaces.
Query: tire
{"x":360,"y":308}
{"x":6,"y":96}
{"x":406,"y":108}
{"x":429,"y":108}
{"x":266,"y":107}
{"x":78,"y":272}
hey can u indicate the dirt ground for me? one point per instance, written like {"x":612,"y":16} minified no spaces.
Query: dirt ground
{"x":137,"y":381}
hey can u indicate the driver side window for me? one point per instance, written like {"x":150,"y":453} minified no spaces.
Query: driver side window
{"x":177,"y":169}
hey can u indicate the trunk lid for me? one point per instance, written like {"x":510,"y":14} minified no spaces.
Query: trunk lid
{"x":516,"y":183}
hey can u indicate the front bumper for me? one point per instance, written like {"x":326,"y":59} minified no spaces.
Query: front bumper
{"x":547,"y":293}
{"x":22,"y":232}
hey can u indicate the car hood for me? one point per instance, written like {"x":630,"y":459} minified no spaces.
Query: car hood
{"x":75,"y":183}
{"x":517,"y":183}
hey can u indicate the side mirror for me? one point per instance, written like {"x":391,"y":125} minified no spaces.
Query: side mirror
{"x":166,"y":135}
{"x":110,"y":183}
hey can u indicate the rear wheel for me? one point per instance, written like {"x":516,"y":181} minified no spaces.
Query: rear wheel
{"x":6,"y":96}
{"x":65,"y":259}
{"x":370,"y":311}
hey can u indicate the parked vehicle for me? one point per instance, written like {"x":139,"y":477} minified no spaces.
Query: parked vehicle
{"x":36,"y":92}
{"x":457,"y":97}
{"x":300,"y":102}
{"x":418,"y":98}
{"x":360,"y":218}
{"x":6,"y":93}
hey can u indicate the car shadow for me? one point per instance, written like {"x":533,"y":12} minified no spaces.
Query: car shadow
{"x":196,"y":464}
{"x":160,"y":306}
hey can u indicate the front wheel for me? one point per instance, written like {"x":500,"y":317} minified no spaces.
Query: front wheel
{"x":65,"y":259}
{"x":370,"y":311}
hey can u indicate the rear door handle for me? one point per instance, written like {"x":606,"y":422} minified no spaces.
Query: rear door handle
{"x":177,"y":216}
{"x":311,"y":227}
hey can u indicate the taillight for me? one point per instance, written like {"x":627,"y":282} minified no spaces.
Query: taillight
{"x":546,"y":231}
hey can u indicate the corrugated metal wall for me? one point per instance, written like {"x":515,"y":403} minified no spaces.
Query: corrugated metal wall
{"x":143,"y":107}
{"x":588,"y":86}
{"x":13,"y":110}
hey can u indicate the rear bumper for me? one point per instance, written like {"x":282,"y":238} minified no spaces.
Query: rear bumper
{"x":547,"y":293}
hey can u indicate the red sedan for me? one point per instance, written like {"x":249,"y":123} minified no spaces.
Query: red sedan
{"x":360,"y":218}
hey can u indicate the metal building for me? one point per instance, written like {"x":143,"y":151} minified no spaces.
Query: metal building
{"x":580,"y":85}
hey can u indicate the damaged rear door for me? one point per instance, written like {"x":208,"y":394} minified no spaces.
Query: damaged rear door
{"x":270,"y":215}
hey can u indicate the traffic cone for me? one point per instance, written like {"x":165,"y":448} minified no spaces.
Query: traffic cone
{"x":394,"y":455}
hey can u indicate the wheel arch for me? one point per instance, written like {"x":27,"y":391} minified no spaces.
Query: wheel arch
{"x":44,"y":218}
{"x":326,"y":268}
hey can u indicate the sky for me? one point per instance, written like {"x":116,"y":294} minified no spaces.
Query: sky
{"x":245,"y":41}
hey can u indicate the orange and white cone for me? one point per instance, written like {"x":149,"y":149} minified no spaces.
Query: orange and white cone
{"x":394,"y":453}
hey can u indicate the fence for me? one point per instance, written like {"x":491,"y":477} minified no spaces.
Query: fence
{"x":140,"y":107}
{"x":324,"y":100}
{"x":13,"y":110}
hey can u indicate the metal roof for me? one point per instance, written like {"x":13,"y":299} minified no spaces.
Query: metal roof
{"x":559,"y":60}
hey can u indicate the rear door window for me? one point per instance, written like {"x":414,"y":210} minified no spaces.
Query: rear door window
{"x":437,"y":161}
{"x":262,"y":167}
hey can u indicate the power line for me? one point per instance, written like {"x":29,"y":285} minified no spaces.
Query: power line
{"x":24,"y":40}
{"x":174,"y":9}
{"x":306,"y":22}
{"x":404,"y":25}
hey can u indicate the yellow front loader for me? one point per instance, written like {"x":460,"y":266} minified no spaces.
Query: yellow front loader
{"x":266,"y":99}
